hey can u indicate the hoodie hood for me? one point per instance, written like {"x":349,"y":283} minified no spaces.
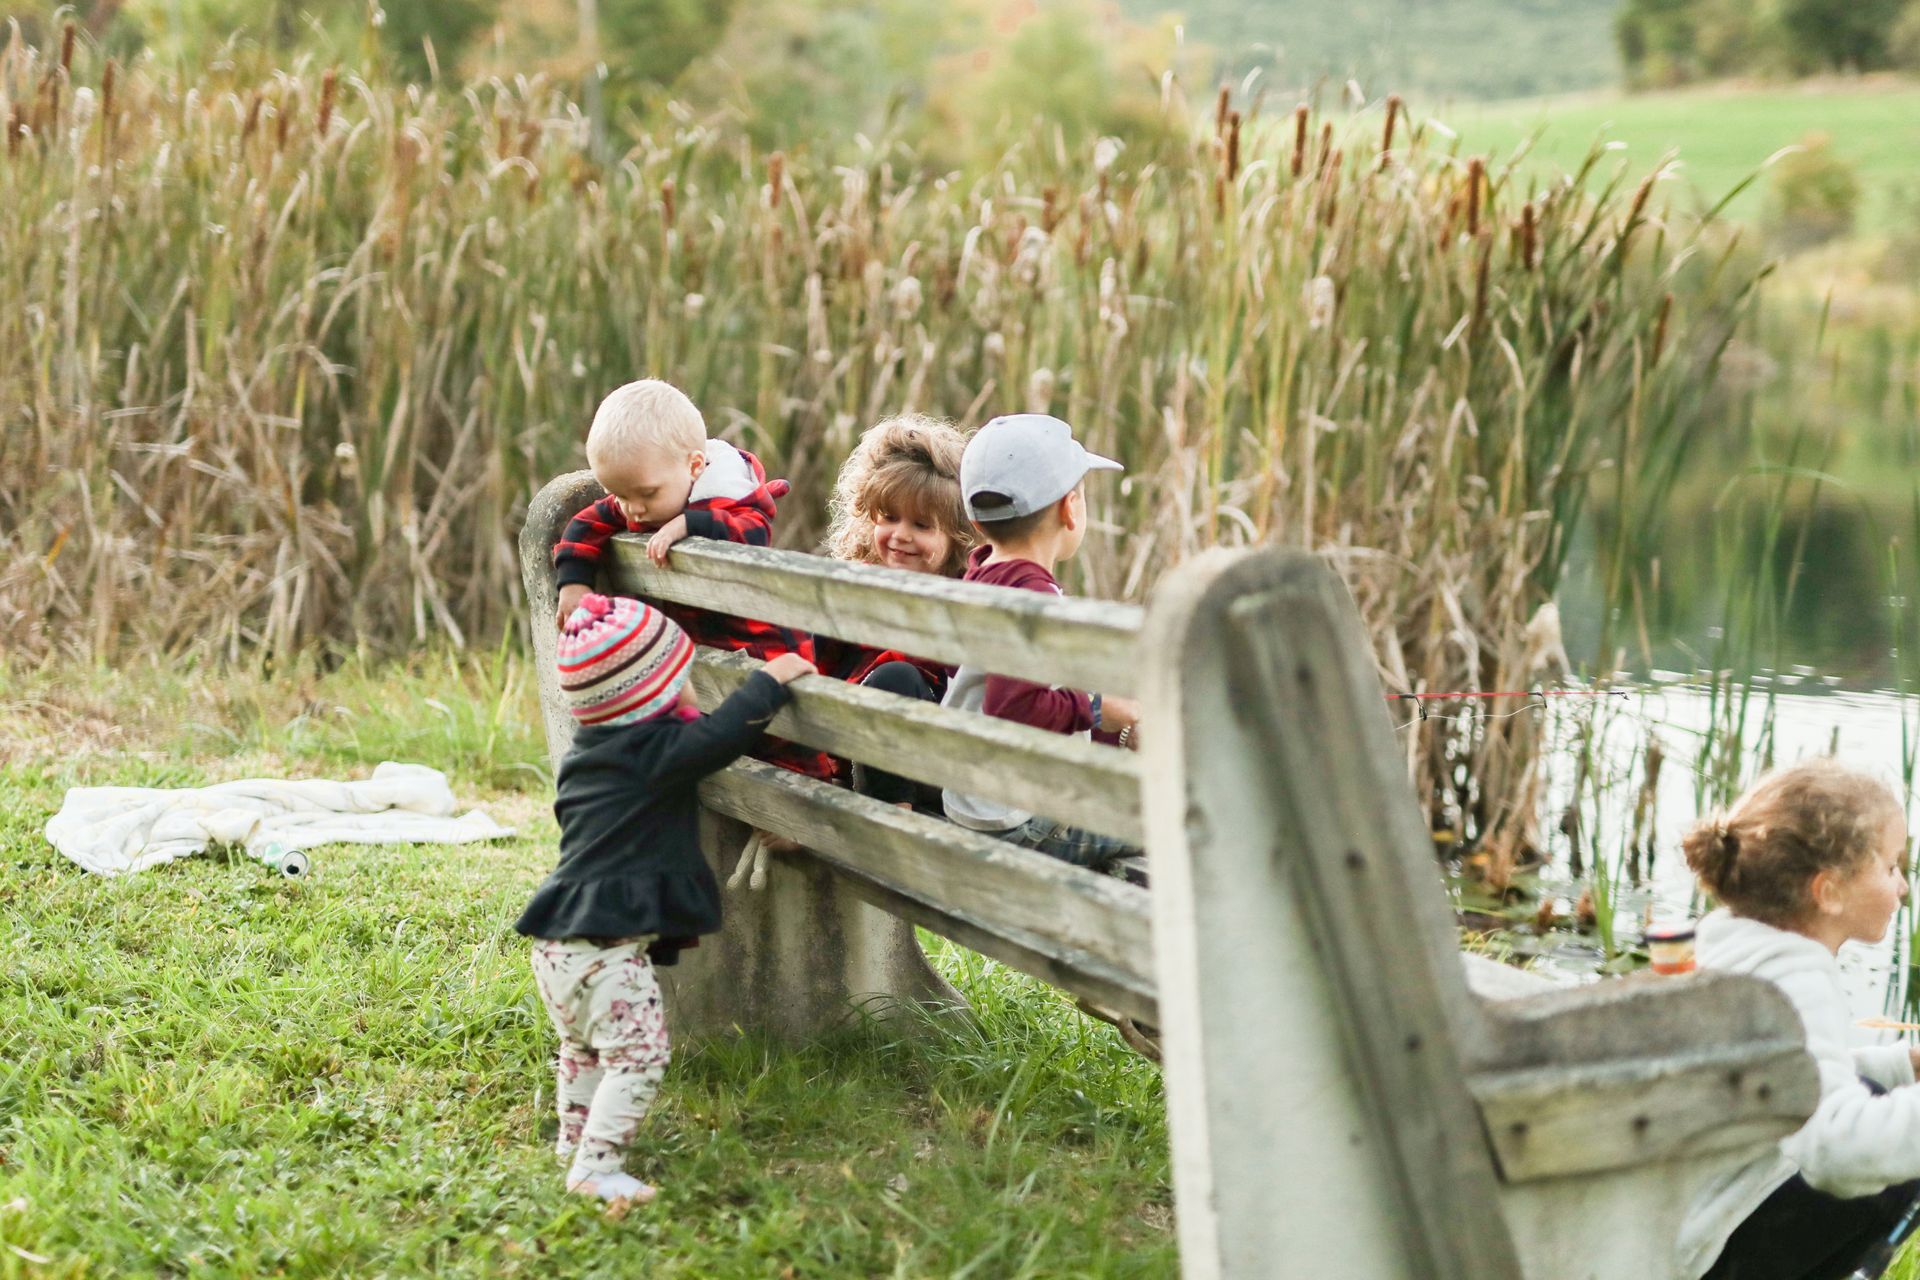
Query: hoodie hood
{"x":733,"y":475}
{"x":1726,"y":941}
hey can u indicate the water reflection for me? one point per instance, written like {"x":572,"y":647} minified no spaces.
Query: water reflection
{"x":1867,"y":729}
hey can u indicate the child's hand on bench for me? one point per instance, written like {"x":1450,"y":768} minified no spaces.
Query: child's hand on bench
{"x":788,"y":667}
{"x":662,"y":542}
{"x":570,"y":597}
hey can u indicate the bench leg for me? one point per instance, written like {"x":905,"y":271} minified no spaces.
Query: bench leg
{"x":801,"y":959}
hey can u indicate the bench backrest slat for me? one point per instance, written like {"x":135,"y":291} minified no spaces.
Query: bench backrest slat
{"x":1079,"y":921}
{"x":1077,"y":644}
{"x":1063,"y":777}
{"x":1310,"y":983}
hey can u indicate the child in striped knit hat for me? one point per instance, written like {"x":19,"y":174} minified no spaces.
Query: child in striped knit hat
{"x":632,"y":887}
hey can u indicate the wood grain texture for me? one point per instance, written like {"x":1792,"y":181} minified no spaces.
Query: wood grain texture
{"x":1300,"y":933}
{"x":1068,"y":778}
{"x":1080,"y":921}
{"x":1076,"y":644}
{"x":1601,"y":1115}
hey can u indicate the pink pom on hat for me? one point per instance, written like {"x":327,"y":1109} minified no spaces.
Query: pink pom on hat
{"x":621,"y":661}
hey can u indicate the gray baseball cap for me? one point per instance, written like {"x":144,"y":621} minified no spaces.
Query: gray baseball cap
{"x":1029,"y":459}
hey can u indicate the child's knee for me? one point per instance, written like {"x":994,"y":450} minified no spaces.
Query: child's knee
{"x":902,"y":678}
{"x":645,"y":1059}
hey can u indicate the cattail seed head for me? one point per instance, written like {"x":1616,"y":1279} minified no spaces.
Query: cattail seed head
{"x":1476,"y":170}
{"x":776,"y":176}
{"x":1233,"y":145}
{"x":1480,"y":282}
{"x":1639,"y":205}
{"x":106,"y":111}
{"x":1529,"y":235}
{"x":326,"y":103}
{"x":1386,"y":133}
{"x":1220,"y":111}
{"x":1299,"y":138}
{"x":666,"y":201}
{"x":66,"y":48}
{"x":253,"y":119}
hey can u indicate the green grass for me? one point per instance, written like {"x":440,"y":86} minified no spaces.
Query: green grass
{"x":213,"y":1071}
{"x":1722,"y":134}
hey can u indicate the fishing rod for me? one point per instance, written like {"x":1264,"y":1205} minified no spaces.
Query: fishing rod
{"x":1420,"y":700}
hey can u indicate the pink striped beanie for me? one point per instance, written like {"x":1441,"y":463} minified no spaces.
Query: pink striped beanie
{"x":621,"y":661}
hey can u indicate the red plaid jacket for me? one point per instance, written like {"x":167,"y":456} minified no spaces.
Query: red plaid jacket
{"x":747,"y":519}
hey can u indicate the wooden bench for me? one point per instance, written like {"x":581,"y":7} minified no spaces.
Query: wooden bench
{"x":1342,"y":1101}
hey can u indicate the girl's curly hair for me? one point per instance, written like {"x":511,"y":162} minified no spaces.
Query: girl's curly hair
{"x":909,"y":463}
{"x":1760,"y":856}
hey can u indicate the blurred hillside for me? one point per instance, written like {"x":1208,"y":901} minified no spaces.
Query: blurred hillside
{"x":1457,"y":49}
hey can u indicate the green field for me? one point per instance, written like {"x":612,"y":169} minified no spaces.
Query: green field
{"x":211,"y":1071}
{"x":1722,"y":135}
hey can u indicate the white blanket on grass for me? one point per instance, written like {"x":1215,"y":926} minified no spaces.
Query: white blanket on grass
{"x":113,"y":830}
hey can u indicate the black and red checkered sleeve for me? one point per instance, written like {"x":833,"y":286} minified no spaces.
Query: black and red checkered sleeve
{"x":727,"y":521}
{"x":576,"y":557}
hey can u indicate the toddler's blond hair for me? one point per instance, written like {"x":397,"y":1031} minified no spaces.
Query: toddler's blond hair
{"x":647,"y":413}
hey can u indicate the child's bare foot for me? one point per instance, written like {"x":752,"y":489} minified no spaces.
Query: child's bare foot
{"x":617,"y":1189}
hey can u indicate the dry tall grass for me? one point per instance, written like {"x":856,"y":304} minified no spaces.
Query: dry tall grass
{"x":288,"y":355}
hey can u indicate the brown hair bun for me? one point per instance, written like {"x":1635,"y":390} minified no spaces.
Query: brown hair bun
{"x":1761,"y":855}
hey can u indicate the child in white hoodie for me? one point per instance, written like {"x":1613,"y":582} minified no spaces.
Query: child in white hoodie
{"x":1811,"y":857}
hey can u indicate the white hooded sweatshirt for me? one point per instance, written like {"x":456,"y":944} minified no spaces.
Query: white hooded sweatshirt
{"x":1855,"y":1144}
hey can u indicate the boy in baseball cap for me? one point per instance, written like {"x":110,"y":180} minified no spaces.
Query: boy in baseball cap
{"x":1023,"y":478}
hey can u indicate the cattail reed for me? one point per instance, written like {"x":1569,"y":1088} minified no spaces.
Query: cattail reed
{"x":1480,"y":282}
{"x":107,"y":77}
{"x":67,"y":35}
{"x":1220,"y":111}
{"x":482,"y":306}
{"x":326,"y":103}
{"x":1386,"y":132}
{"x":1476,"y":172}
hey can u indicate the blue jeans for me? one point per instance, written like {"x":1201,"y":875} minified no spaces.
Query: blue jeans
{"x":1069,"y":844}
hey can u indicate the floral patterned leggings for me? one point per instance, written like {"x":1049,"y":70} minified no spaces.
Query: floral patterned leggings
{"x":605,"y":1003}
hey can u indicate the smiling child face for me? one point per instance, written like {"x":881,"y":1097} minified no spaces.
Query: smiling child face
{"x":904,"y":539}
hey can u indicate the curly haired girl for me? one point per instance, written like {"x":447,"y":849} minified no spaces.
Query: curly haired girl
{"x":897,"y":504}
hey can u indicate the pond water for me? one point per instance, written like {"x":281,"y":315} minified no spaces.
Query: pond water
{"x":1802,"y":716}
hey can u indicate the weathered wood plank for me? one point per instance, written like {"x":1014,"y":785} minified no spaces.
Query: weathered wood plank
{"x":1071,"y":779}
{"x":1081,"y":975}
{"x":1080,"y":644}
{"x":1601,"y":1115}
{"x":1079,"y":921}
{"x":1309,"y":978}
{"x":547,"y":517}
{"x":1359,"y":862}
